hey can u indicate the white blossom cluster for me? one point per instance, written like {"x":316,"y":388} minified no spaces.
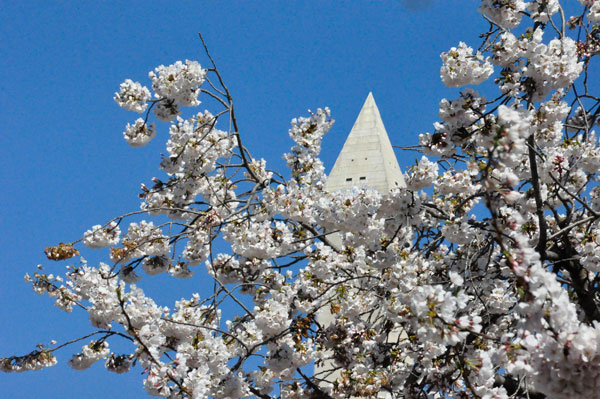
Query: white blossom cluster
{"x":507,"y":50}
{"x":174,"y":86}
{"x":554,"y":66}
{"x":307,"y":134}
{"x":143,"y":239}
{"x":139,"y":134}
{"x":132,"y":96}
{"x":261,"y":240}
{"x":594,"y":12}
{"x":89,"y":355}
{"x":461,"y":68}
{"x":543,"y":10}
{"x":36,"y":360}
{"x":101,"y":237}
{"x":505,"y":13}
{"x":479,"y":279}
{"x":422,"y":175}
{"x":195,"y":145}
{"x":179,"y":82}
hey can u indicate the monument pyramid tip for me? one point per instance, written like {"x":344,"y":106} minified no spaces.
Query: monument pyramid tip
{"x":367,"y":157}
{"x":369,"y":98}
{"x":368,"y":120}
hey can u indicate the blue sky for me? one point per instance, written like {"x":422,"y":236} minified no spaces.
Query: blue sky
{"x":66,"y":166}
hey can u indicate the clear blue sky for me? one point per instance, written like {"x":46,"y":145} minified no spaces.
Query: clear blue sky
{"x":66,"y":167}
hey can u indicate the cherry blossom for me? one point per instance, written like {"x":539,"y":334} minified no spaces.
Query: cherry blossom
{"x":460,"y":67}
{"x":139,"y":134}
{"x":132,"y":96}
{"x":506,"y":13}
{"x":101,"y":237}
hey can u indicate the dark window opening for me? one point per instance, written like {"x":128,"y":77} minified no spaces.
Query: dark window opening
{"x":348,"y":179}
{"x":363,"y":178}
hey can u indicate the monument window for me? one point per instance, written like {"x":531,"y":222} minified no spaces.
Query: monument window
{"x":363,"y":178}
{"x":348,"y":179}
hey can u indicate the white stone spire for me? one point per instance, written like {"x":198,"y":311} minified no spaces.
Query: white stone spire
{"x":367,"y":157}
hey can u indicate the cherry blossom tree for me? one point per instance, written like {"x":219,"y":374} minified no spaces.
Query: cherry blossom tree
{"x":479,"y":279}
